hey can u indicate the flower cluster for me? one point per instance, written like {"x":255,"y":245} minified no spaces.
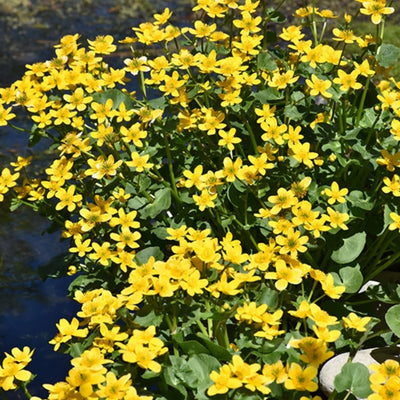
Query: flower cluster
{"x":225,"y":193}
{"x":12,"y":369}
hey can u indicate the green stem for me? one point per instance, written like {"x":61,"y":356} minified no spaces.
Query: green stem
{"x":25,"y":390}
{"x":142,"y":85}
{"x":170,"y":166}
{"x":166,"y":184}
{"x":3,"y":395}
{"x":361,"y":106}
{"x":252,"y":137}
{"x":386,"y":265}
{"x":202,"y":327}
{"x":314,"y":24}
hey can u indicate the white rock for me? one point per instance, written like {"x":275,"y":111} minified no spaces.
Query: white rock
{"x":333,"y":367}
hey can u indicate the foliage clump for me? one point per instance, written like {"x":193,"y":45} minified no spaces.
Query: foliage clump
{"x":224,"y":212}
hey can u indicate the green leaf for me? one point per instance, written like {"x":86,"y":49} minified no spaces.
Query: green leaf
{"x":368,"y":118}
{"x":162,"y":202}
{"x":76,"y":349}
{"x":388,"y":54}
{"x":221,"y":353}
{"x":137,"y":202}
{"x":158,"y":103}
{"x":245,"y":395}
{"x":386,"y":217}
{"x":193,"y":347}
{"x":392,"y":318}
{"x":266,"y":61}
{"x":15,"y":203}
{"x":293,"y":113}
{"x":269,"y":94}
{"x":355,"y":378}
{"x":357,"y":199}
{"x":268,"y":296}
{"x":352,"y":278}
{"x":116,"y":95}
{"x":202,"y":365}
{"x":143,"y":256}
{"x":351,"y":248}
{"x":146,"y":316}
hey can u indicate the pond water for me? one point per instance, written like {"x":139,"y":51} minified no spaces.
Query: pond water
{"x":29,"y":307}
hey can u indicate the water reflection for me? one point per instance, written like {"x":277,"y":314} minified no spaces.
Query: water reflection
{"x":30,"y":308}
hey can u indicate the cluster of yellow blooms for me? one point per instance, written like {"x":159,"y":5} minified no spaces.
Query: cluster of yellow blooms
{"x":240,"y":171}
{"x":13,"y":368}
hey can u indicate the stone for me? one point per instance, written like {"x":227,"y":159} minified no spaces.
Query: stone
{"x":332,"y":367}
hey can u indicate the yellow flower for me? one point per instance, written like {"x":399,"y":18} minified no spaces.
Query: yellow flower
{"x":223,"y":381}
{"x":248,"y":23}
{"x":329,"y":288}
{"x":376,"y":9}
{"x":337,"y":219}
{"x":205,"y":200}
{"x":364,"y":68}
{"x":5,"y":115}
{"x":301,"y":152}
{"x":102,"y":44}
{"x":68,"y":198}
{"x":211,"y":120}
{"x":7,"y":179}
{"x":102,"y":112}
{"x":292,"y":242}
{"x":396,"y":221}
{"x":140,"y":163}
{"x":136,"y":65}
{"x":384,"y":371}
{"x":282,"y":200}
{"x":284,"y":275}
{"x":114,"y":388}
{"x":126,"y":238}
{"x":392,"y":185}
{"x":77,"y":99}
{"x":11,"y":370}
{"x":81,"y":247}
{"x":200,"y":29}
{"x":347,"y":81}
{"x":172,"y":84}
{"x":67,"y":330}
{"x":231,"y":168}
{"x":101,"y":253}
{"x":353,"y":321}
{"x":345,"y":35}
{"x":319,"y":86}
{"x":228,"y":139}
{"x":301,"y":380}
{"x":391,"y":161}
{"x":303,"y":214}
{"x":321,"y":317}
{"x":292,"y":33}
{"x":315,"y":351}
{"x":335,"y":194}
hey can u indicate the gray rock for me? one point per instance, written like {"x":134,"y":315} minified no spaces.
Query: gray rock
{"x":333,"y":367}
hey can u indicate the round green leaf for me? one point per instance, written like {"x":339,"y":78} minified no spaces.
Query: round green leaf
{"x":351,"y":248}
{"x":392,"y":318}
{"x":352,"y":278}
{"x":353,"y":377}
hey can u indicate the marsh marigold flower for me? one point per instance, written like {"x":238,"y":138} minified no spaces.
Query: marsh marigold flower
{"x":353,"y":321}
{"x":319,"y":86}
{"x":376,"y":9}
{"x":301,"y":379}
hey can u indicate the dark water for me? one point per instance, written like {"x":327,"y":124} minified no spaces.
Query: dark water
{"x":29,"y":307}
